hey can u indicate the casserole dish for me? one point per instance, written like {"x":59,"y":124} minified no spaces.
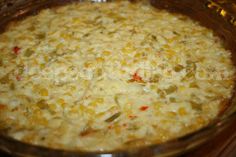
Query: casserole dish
{"x":225,"y":29}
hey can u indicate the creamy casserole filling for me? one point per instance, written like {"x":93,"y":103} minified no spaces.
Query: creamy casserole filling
{"x":104,"y":76}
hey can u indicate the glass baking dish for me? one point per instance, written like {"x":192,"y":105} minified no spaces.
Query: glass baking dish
{"x":218,"y":15}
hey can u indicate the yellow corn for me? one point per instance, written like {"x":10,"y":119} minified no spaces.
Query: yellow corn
{"x":106,"y":53}
{"x":43,"y":92}
{"x":182,"y":111}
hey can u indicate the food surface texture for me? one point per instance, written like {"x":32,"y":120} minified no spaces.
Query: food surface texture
{"x":106,"y":76}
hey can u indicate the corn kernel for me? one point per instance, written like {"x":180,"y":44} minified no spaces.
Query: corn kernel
{"x":43,"y":92}
{"x":118,"y":130}
{"x":106,"y":53}
{"x":171,"y":114}
{"x":128,"y":48}
{"x":182,"y":111}
{"x":61,"y":101}
{"x":100,"y":59}
{"x":200,"y":121}
{"x":88,"y":64}
{"x":100,"y":100}
{"x":76,"y":21}
{"x":182,"y":88}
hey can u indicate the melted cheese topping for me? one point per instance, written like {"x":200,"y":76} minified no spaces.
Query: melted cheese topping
{"x":107,"y":76}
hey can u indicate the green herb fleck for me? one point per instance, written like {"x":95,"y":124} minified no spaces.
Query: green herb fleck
{"x":113,"y":117}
